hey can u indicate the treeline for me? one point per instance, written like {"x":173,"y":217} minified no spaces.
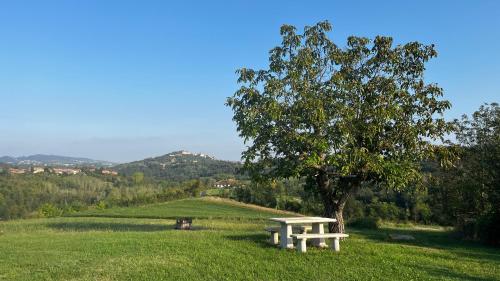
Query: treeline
{"x":464,"y":194}
{"x":31,"y":195}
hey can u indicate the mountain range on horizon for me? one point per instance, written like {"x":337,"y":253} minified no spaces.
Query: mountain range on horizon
{"x":170,"y":159}
{"x":53,"y":160}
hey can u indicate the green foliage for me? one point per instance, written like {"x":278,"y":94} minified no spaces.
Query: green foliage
{"x":473,"y":185}
{"x":23,"y":196}
{"x":195,"y":188}
{"x":489,"y":228}
{"x":363,"y":110}
{"x":384,"y":210}
{"x":423,"y":213}
{"x":138,"y":177}
{"x":291,"y":204}
{"x":343,"y":116}
{"x":101,"y":205}
{"x":48,"y":210}
{"x":354,"y":209}
{"x":365,"y":222}
{"x":257,"y":193}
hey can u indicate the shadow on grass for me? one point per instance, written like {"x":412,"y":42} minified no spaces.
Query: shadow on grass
{"x":261,"y":240}
{"x":442,"y":240}
{"x":115,"y":227}
{"x":444,"y":273}
{"x":162,"y":217}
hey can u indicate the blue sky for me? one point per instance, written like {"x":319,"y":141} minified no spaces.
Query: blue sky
{"x":124,"y":80}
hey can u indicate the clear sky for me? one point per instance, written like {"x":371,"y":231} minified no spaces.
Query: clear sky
{"x":124,"y":80}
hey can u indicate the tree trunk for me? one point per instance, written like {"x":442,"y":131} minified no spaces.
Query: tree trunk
{"x":329,"y":212}
{"x":334,"y":200}
{"x":338,"y":227}
{"x":335,"y":211}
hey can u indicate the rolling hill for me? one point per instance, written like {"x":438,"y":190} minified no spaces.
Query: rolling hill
{"x":180,"y":165}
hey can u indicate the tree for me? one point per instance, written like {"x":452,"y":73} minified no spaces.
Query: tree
{"x":480,"y":138}
{"x":476,"y":177}
{"x":138,"y":177}
{"x":340,"y":117}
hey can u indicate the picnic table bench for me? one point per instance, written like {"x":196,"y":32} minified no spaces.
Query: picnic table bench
{"x":286,"y":224}
{"x":301,"y":244}
{"x":275,"y":230}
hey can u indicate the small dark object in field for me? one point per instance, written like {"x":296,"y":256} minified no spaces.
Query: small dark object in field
{"x":183,"y":223}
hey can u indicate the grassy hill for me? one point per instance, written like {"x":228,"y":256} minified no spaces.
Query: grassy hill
{"x":203,"y":208}
{"x":179,"y":166}
{"x":140,"y":243}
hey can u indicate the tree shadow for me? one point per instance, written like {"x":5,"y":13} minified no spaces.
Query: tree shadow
{"x":442,"y":240}
{"x":109,"y":226}
{"x":445,"y":273}
{"x":261,"y":240}
{"x":165,"y":217}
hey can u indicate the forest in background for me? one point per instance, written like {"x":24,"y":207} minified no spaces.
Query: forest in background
{"x":50,"y":195}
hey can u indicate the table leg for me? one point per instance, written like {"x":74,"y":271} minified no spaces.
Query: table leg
{"x":286,"y":239}
{"x":336,"y":244}
{"x":318,"y":228}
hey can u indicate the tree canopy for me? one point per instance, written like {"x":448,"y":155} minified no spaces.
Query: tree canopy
{"x":340,"y":116}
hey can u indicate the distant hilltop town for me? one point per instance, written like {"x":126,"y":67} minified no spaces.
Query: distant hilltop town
{"x":178,"y":165}
{"x":57,"y":171}
{"x":184,"y":152}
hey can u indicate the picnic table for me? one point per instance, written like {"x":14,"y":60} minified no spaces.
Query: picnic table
{"x":286,"y":240}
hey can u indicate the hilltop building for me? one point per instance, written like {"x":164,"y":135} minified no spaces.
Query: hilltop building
{"x":109,"y":172}
{"x":66,"y":171}
{"x":37,"y":170}
{"x":17,"y":171}
{"x":226,"y":183}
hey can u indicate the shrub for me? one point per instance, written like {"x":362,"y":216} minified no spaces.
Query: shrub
{"x":49,"y":211}
{"x":311,"y":207}
{"x":101,"y":205}
{"x":366,"y":222}
{"x":292,"y":205}
{"x":466,"y":228}
{"x":386,"y":211}
{"x":78,"y":206}
{"x":489,"y":229}
{"x":423,"y":213}
{"x":353,"y":209}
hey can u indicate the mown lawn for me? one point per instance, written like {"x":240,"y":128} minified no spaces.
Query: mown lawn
{"x":202,"y":208}
{"x":229,"y":244}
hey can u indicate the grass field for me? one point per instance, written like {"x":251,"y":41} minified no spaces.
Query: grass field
{"x":140,"y":244}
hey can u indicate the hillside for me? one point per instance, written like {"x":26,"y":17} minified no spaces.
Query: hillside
{"x":228,"y":243}
{"x":206,"y":208}
{"x":53,"y":160}
{"x":180,"y":165}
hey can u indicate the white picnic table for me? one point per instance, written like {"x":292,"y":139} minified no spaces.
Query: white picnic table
{"x":286,"y":241}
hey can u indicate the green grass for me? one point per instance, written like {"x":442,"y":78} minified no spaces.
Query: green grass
{"x":229,"y":244}
{"x":214,"y":192}
{"x":203,"y":208}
